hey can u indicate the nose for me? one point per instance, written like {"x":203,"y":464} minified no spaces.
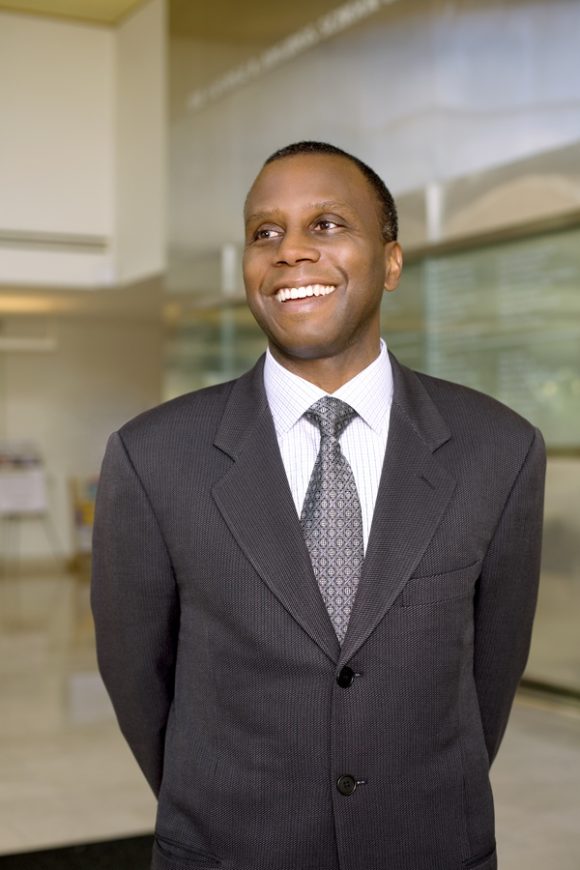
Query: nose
{"x":296,"y":247}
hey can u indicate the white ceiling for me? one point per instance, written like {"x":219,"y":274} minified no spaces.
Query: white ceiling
{"x":92,"y":11}
{"x":216,"y":21}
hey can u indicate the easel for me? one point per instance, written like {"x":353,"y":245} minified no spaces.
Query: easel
{"x":23,"y":498}
{"x":11,"y":534}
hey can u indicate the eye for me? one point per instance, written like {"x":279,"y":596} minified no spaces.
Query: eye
{"x":326,"y":224}
{"x":265,"y":233}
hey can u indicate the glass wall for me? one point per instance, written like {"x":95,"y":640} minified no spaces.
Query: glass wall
{"x":469,"y":111}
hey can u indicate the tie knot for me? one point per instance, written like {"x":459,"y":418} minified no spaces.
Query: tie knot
{"x":331,"y":415}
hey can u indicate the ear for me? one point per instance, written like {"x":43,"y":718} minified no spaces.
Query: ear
{"x":393,"y":265}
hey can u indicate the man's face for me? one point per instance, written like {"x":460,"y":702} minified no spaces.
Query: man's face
{"x":315,"y":263}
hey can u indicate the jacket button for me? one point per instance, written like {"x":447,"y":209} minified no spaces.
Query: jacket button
{"x":346,"y":677}
{"x":346,"y":784}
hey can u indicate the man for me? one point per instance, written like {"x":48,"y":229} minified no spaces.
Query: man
{"x":312,"y":613}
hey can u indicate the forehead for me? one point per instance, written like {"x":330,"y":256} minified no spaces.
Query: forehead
{"x":295,"y":182}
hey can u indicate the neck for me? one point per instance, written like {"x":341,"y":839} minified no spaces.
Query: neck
{"x":327,"y":373}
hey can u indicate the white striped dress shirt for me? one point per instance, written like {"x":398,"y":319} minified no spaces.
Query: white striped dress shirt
{"x":363,"y":442}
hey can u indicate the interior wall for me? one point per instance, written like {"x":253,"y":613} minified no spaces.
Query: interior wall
{"x":83,"y":155}
{"x":82,"y":168}
{"x":67,"y":401}
{"x":56,"y":105}
{"x":141,"y":129}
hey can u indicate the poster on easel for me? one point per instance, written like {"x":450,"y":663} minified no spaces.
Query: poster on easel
{"x":84,"y":493}
{"x":23,"y":490}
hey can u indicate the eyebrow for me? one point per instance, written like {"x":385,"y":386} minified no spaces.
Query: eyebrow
{"x":326,"y":205}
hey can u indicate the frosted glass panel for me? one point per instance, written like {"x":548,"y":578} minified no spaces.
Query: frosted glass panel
{"x":504,"y":319}
{"x":555,"y":654}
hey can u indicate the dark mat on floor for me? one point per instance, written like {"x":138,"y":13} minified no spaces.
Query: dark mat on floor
{"x":133,"y":853}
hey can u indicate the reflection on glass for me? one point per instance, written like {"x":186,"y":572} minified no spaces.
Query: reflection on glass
{"x":211,"y":346}
{"x":504,"y":319}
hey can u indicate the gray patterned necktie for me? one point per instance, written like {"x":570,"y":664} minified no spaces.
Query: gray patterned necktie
{"x":331,"y":515}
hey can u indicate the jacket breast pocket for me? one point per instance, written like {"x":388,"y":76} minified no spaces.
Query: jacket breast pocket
{"x":435,"y":588}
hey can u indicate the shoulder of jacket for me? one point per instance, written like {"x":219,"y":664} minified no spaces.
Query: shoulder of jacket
{"x":468,"y":409}
{"x":191,"y":411}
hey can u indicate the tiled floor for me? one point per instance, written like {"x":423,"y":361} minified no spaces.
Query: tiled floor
{"x":66,"y":775}
{"x":555,"y":652}
{"x":536,"y":781}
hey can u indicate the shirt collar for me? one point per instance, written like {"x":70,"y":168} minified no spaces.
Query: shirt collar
{"x":370,"y":393}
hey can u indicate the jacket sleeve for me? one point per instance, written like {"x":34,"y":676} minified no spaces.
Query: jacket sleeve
{"x":506,"y":597}
{"x":135,"y":608}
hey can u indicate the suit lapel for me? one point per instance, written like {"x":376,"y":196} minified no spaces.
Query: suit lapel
{"x":414,"y":492}
{"x":255,"y":501}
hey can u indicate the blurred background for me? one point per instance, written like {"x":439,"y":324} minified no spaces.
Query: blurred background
{"x":129,"y":135}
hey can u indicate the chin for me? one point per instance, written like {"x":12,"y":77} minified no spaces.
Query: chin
{"x":304,"y":350}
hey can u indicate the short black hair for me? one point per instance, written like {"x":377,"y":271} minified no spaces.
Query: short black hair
{"x":388,"y":210}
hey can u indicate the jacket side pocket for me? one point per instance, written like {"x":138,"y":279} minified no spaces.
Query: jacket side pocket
{"x":485,"y":862}
{"x":171,"y":855}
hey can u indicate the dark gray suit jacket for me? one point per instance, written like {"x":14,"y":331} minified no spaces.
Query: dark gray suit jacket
{"x":222,"y":663}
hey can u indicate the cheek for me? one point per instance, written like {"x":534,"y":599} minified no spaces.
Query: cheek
{"x":366,"y":261}
{"x":253,"y":273}
{"x":255,"y":301}
{"x":248,"y":263}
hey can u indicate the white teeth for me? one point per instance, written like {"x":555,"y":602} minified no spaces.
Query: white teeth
{"x":287,"y":293}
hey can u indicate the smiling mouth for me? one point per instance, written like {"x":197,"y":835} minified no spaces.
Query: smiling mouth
{"x":286,"y":294}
